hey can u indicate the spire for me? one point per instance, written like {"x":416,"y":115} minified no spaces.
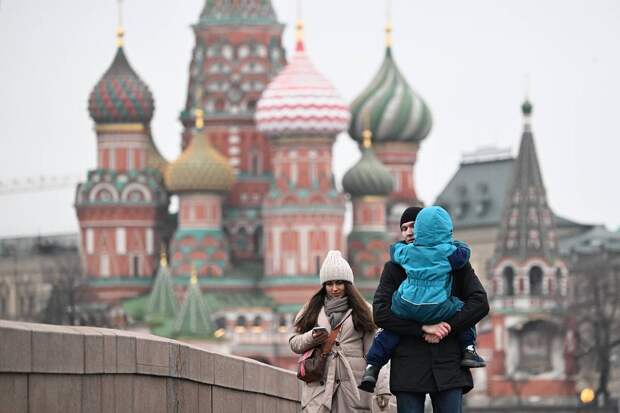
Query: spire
{"x":192,"y":320}
{"x":120,"y":31}
{"x":527,"y":227}
{"x":163,"y":261}
{"x":367,"y":134}
{"x":200,"y":119}
{"x":299,"y":30}
{"x":162,"y":303}
{"x":388,"y":26}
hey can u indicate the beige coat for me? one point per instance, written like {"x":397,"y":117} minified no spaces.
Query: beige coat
{"x":339,"y":393}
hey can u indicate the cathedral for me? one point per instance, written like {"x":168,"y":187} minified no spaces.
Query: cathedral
{"x":258,"y":207}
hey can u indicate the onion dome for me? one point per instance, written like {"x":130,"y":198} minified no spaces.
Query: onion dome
{"x":369,"y":176}
{"x":301,"y":101}
{"x":121,"y":96}
{"x":237,"y":13}
{"x":200,"y":167}
{"x":397,"y":113}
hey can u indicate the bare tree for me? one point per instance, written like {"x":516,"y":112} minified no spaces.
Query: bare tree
{"x":64,"y":272}
{"x":596,"y":311}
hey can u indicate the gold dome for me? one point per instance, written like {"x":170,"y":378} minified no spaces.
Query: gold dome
{"x":199,"y":168}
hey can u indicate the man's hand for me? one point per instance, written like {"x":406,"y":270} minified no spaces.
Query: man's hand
{"x":440,"y":329}
{"x":431,"y":338}
{"x":383,"y":400}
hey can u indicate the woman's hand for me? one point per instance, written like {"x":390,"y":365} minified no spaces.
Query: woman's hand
{"x":383,"y":400}
{"x":319,"y":336}
{"x":440,"y":329}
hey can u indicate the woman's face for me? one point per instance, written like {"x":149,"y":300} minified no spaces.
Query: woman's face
{"x":335,"y":289}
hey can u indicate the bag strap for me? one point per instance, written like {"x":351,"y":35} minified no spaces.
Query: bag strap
{"x":329,"y":343}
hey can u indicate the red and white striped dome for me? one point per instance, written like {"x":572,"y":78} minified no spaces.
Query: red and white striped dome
{"x":300,"y":101}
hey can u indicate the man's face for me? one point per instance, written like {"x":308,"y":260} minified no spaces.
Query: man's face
{"x":407,"y":231}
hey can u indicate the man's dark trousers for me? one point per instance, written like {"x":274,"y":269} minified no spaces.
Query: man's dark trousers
{"x":447,"y":401}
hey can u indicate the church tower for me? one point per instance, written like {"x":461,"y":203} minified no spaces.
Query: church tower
{"x":238,"y":50}
{"x":123,"y":204}
{"x":303,"y":214}
{"x":369,"y":183}
{"x":531,"y":344}
{"x":201,"y":177}
{"x":399,"y":120}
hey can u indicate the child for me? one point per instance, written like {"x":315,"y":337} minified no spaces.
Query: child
{"x":424,"y":296}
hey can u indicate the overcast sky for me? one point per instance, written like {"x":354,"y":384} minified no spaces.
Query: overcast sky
{"x":467,"y":59}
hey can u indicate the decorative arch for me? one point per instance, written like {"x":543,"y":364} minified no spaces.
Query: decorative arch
{"x":103,"y":188}
{"x":136,"y":187}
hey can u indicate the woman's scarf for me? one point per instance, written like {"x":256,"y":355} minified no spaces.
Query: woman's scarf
{"x":335,"y":308}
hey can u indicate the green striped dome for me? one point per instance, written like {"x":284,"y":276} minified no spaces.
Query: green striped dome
{"x":393,"y":111}
{"x":368,"y":177}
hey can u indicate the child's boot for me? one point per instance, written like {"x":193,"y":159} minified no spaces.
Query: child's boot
{"x":471,"y":359}
{"x":369,"y":379}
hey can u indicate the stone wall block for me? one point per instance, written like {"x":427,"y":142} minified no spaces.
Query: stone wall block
{"x":205,"y":398}
{"x":107,"y":393}
{"x":61,"y":393}
{"x":13,"y":393}
{"x":109,"y":349}
{"x":152,"y":356}
{"x":15,"y":347}
{"x":93,"y":350}
{"x":182,"y":396}
{"x":92,"y":393}
{"x":199,"y":365}
{"x":252,"y":403}
{"x":228,"y":371}
{"x":57,"y":349}
{"x":125,"y":352}
{"x":179,"y":360}
{"x":123,"y":393}
{"x":289,"y":387}
{"x":254,"y":376}
{"x":227,"y":400}
{"x":271,"y":382}
{"x":269,"y":403}
{"x":287,"y":406}
{"x":149,"y":394}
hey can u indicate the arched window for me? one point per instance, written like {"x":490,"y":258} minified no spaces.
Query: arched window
{"x":558,"y":281}
{"x":508,"y":276}
{"x":258,"y":241}
{"x":536,"y":281}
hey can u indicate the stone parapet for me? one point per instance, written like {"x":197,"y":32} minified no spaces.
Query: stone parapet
{"x":48,"y":368}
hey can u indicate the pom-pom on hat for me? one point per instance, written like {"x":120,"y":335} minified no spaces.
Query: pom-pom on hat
{"x":335,"y":268}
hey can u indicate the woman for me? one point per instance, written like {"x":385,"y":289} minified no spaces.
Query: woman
{"x":338,"y":302}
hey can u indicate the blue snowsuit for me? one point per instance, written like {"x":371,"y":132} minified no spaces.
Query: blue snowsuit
{"x":424,"y":296}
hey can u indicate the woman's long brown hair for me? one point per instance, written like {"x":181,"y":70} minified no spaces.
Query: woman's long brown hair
{"x":362,"y":319}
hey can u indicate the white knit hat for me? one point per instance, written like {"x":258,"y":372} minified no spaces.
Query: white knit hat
{"x":335,"y":268}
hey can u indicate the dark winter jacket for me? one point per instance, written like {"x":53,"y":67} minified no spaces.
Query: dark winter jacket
{"x":418,"y":366}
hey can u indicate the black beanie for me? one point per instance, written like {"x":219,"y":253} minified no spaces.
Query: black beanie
{"x":409,"y":214}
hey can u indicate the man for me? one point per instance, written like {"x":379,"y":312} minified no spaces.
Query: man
{"x":427,"y":359}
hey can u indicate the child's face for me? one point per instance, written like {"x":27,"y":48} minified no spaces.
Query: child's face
{"x":407,"y":231}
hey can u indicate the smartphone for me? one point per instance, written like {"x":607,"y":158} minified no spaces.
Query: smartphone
{"x":319,"y":330}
